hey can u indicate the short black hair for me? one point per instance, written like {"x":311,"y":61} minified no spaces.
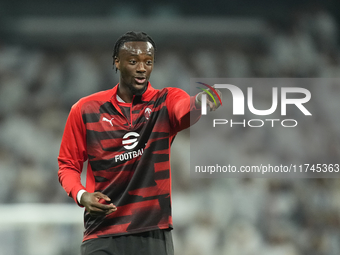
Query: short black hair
{"x":131,"y":36}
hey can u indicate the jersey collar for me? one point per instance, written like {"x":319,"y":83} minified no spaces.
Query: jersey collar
{"x":147,"y":95}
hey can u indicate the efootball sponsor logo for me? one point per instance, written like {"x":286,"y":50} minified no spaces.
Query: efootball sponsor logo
{"x":239,"y":105}
{"x":129,"y":142}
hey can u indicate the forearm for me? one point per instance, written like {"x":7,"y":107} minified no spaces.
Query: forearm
{"x":183,"y":110}
{"x":69,"y":178}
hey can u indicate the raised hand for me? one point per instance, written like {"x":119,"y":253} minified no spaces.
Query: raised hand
{"x":210,"y":102}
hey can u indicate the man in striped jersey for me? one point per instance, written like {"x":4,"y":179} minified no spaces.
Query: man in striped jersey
{"x":125,"y":133}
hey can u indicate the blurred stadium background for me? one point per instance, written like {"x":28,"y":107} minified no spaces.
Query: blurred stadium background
{"x":54,"y":52}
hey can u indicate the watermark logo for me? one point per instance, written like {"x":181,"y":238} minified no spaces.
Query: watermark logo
{"x":238,"y":99}
{"x":300,"y":98}
{"x":266,"y":128}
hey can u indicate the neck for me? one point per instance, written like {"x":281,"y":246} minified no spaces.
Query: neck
{"x":124,"y":94}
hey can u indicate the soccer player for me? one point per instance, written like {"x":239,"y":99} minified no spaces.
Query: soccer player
{"x":125,"y":133}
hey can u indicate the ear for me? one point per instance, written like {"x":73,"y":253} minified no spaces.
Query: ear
{"x":117,"y":63}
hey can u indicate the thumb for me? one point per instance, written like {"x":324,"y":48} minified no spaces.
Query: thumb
{"x":211,"y":106}
{"x":101,"y":195}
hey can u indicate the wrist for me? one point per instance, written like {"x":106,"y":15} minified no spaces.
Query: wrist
{"x":79,"y":194}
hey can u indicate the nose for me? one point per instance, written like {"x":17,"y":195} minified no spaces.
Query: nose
{"x":141,"y":67}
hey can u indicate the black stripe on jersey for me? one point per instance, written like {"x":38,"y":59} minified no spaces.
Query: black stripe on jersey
{"x":113,"y":221}
{"x":164,"y":202}
{"x":98,"y":222}
{"x":108,"y":108}
{"x":149,"y":103}
{"x":98,"y":165}
{"x":110,"y":165}
{"x":146,"y":218}
{"x":159,"y":135}
{"x":115,"y":149}
{"x":155,"y":158}
{"x":160,"y":144}
{"x":103,"y":135}
{"x":137,"y":100}
{"x":100,"y":179}
{"x":161,"y":158}
{"x":161,"y":99}
{"x":162,"y":175}
{"x":90,"y":117}
{"x":135,"y":111}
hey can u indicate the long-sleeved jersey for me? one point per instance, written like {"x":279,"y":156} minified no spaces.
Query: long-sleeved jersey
{"x":127,"y":146}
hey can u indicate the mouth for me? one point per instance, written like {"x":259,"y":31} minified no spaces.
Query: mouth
{"x":140,"y":80}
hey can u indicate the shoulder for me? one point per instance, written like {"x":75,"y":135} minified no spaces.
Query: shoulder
{"x":175,"y":92}
{"x":101,"y":96}
{"x":167,"y":91}
{"x":98,"y":96}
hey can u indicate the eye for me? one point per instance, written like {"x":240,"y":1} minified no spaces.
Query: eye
{"x":132,"y":61}
{"x":149,"y":62}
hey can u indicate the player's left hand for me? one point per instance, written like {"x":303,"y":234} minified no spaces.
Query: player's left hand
{"x":210,"y":102}
{"x":91,"y":201}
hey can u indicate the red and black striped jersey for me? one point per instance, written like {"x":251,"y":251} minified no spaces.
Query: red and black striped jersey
{"x":127,"y":146}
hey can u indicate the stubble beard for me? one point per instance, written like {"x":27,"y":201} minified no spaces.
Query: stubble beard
{"x":137,"y":92}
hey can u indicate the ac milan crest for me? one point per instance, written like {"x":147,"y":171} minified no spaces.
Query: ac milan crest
{"x":147,"y":113}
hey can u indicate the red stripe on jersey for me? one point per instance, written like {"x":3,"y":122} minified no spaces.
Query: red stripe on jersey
{"x":161,"y":166}
{"x":109,"y":143}
{"x":114,"y":229}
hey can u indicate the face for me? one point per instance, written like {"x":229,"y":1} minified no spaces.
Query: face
{"x":135,"y":63}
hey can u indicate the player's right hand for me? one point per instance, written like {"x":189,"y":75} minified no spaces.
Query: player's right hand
{"x":91,"y":202}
